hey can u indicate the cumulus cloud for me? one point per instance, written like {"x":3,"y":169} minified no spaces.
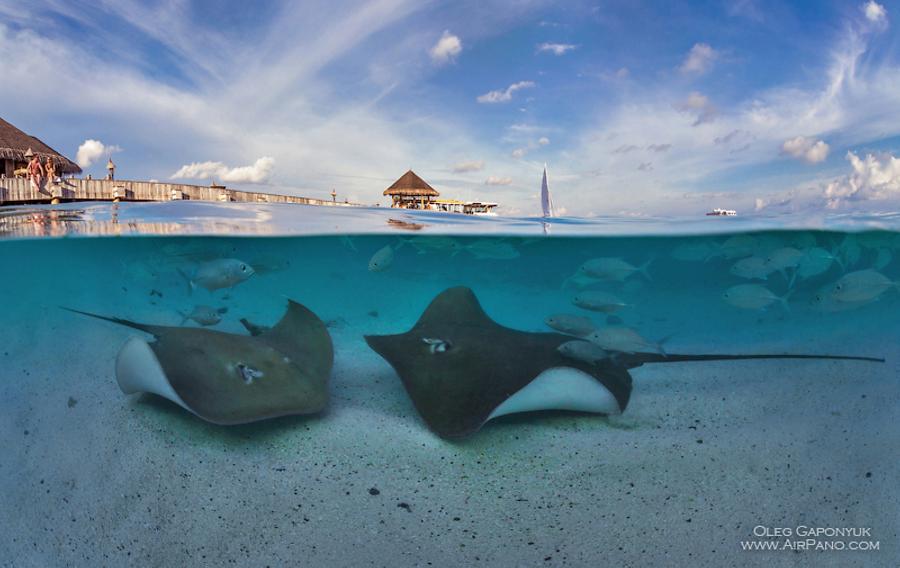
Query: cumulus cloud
{"x":446,"y":49}
{"x":699,"y":59}
{"x":92,"y":150}
{"x":699,"y":107}
{"x":503,"y":96}
{"x":259,"y":172}
{"x":555,"y":48}
{"x":519,"y":153}
{"x":875,"y":12}
{"x":809,"y":150}
{"x":468,"y":166}
{"x":543,"y":141}
{"x":873,"y":177}
{"x":493,"y":180}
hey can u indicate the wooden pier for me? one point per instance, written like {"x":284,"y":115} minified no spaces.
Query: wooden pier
{"x":19,"y":191}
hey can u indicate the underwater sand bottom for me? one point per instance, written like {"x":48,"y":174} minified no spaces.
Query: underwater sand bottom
{"x":704,"y":453}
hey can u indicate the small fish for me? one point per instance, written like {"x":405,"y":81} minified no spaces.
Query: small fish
{"x":738,"y":246}
{"x":752,"y":268}
{"x":784,"y":258}
{"x":598,"y":301}
{"x":824,"y":301}
{"x":584,"y":351}
{"x":815,"y":261}
{"x":492,"y":249}
{"x":204,"y":315}
{"x":571,"y":324}
{"x":382,"y":259}
{"x":625,"y":340}
{"x":753,"y":297}
{"x":219,"y":273}
{"x":861,"y":286}
{"x":579,"y":280}
{"x":612,"y":269}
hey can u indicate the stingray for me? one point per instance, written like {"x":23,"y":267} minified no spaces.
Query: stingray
{"x":462,"y":369}
{"x":226,"y":378}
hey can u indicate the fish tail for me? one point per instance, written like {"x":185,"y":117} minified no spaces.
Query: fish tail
{"x":784,"y":300}
{"x":793,"y":280}
{"x":643,"y":268}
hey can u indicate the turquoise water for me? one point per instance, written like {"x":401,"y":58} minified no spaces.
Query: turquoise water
{"x":702,"y":453}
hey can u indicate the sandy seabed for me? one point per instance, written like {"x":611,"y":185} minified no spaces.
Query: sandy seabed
{"x":704,"y":453}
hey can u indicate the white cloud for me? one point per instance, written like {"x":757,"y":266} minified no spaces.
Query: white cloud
{"x":556,"y":48}
{"x":492,"y":180}
{"x":543,"y":141}
{"x":699,"y":107}
{"x":259,"y":172}
{"x":873,"y":177}
{"x":92,"y":150}
{"x":699,"y":59}
{"x":468,"y":166}
{"x":504,"y":95}
{"x":519,"y":153}
{"x":875,"y":12}
{"x":809,"y":150}
{"x":446,"y":49}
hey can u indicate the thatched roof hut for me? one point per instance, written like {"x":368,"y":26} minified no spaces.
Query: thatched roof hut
{"x":411,"y":185}
{"x":14,"y":144}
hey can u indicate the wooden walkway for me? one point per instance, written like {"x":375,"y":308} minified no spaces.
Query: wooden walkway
{"x":18,"y":191}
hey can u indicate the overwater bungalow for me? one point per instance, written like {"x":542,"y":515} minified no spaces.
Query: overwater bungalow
{"x":17,"y":149}
{"x":412,"y":192}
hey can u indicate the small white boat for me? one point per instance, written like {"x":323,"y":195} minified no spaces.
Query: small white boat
{"x":722,"y":213}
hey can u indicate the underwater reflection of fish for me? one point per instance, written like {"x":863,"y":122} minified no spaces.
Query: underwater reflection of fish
{"x":425,"y":245}
{"x":231,"y":379}
{"x":204,"y":315}
{"x":598,"y":301}
{"x":571,"y":324}
{"x":612,"y":269}
{"x":217,"y":274}
{"x":484,"y":370}
{"x":753,"y":297}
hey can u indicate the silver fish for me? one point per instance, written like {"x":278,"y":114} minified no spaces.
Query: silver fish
{"x":624,"y":339}
{"x":598,"y":301}
{"x":752,"y":268}
{"x":219,"y":273}
{"x":584,"y":351}
{"x":571,"y":324}
{"x":612,"y":269}
{"x":861,"y":286}
{"x":204,"y":315}
{"x":382,"y":259}
{"x":752,"y":297}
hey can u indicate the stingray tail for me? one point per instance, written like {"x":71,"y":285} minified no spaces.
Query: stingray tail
{"x":187,"y":279}
{"x":643,"y":269}
{"x":638,"y":359}
{"x":127,"y":323}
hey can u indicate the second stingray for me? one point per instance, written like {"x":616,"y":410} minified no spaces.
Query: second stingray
{"x":226,"y":378}
{"x":462,"y":369}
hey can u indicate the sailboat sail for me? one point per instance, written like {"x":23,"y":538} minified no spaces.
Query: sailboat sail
{"x":546,"y":201}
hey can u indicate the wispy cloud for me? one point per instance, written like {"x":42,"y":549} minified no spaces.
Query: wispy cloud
{"x":468,"y":166}
{"x":446,"y":49}
{"x":699,"y":106}
{"x":492,"y":180}
{"x":505,"y":95}
{"x":555,"y":48}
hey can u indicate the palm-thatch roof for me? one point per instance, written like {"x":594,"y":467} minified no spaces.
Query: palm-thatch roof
{"x":14,"y":144}
{"x":411,"y":184}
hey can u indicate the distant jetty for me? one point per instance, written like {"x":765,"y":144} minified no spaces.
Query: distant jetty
{"x":20,"y":191}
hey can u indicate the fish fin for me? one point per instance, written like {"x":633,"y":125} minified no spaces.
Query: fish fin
{"x":400,"y":242}
{"x":184,"y":317}
{"x":188,"y":279}
{"x":151,"y":329}
{"x":663,"y":341}
{"x":792,"y":280}
{"x":643,"y":268}
{"x":784,"y":300}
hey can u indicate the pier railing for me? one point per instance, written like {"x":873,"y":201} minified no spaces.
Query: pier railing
{"x":16,"y":191}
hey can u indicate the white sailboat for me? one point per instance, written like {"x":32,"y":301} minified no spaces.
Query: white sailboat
{"x":546,"y":200}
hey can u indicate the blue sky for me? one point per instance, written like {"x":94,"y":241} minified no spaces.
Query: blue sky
{"x":637,"y":107}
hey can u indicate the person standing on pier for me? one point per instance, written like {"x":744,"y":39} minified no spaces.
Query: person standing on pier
{"x":50,"y":168}
{"x":36,"y":173}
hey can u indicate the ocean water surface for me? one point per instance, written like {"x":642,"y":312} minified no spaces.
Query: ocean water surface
{"x":701,"y":459}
